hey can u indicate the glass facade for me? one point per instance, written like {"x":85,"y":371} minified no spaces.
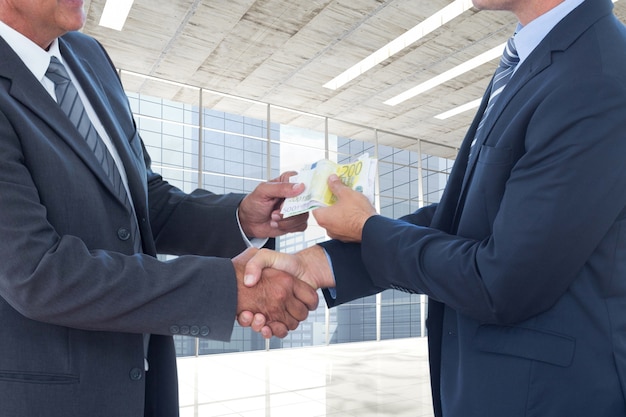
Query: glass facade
{"x":224,"y":144}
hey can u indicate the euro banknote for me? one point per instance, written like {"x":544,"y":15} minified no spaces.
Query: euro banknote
{"x":359,"y":175}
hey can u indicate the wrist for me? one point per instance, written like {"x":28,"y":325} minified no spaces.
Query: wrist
{"x":243,"y":226}
{"x":316,"y":268}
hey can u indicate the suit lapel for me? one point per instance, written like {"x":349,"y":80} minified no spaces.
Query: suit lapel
{"x":26,"y":89}
{"x":519,"y":78}
{"x":95,"y":92}
{"x":524,"y":73}
{"x":559,"y":39}
{"x":475,"y":142}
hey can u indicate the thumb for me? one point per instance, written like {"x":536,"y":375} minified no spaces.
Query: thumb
{"x":254,"y":267}
{"x":335,"y":185}
{"x":264,"y":258}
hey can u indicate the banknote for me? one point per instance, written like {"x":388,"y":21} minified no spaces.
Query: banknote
{"x":359,"y":175}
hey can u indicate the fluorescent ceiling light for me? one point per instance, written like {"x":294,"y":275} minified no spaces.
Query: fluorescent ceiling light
{"x":448,"y":75}
{"x":435,"y":21}
{"x":458,"y":110}
{"x":115,"y":13}
{"x":464,"y":107}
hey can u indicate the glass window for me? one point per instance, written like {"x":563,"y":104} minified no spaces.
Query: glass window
{"x":234,"y":158}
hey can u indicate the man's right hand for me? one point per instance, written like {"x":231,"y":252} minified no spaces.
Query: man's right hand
{"x":309,"y":265}
{"x":280,"y":299}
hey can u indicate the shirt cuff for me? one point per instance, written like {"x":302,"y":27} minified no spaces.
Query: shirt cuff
{"x":256,"y":242}
{"x":332,"y":291}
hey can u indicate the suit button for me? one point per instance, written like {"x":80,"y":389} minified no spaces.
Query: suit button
{"x":135,"y":374}
{"x":194,"y":330}
{"x":174,"y":329}
{"x":123,"y":233}
{"x":204,"y":331}
{"x":184,"y":329}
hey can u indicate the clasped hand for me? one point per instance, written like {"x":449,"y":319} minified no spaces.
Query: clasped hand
{"x":281,"y":300}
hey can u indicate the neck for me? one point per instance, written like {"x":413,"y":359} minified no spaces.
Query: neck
{"x":529,"y":11}
{"x":37,"y":37}
{"x":525,"y":10}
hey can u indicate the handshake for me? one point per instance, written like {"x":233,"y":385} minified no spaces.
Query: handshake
{"x":276,"y":290}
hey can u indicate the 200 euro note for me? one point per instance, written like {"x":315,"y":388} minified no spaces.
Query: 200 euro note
{"x":359,"y":175}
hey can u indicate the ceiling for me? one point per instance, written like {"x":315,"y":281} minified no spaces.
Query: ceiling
{"x":282,"y":52}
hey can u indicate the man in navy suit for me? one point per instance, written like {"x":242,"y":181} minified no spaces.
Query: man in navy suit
{"x":524,"y":258}
{"x":87,"y":312}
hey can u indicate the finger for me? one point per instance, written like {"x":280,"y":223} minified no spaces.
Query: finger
{"x":290,"y":321}
{"x":287,"y":310}
{"x":277,"y":216}
{"x":278,"y":329}
{"x":245,"y":318}
{"x":284,"y":177}
{"x":258,"y":322}
{"x":280,"y":189}
{"x":292,"y":224}
{"x":297,"y":311}
{"x":295,"y":308}
{"x":266,"y":332}
{"x":305,"y":293}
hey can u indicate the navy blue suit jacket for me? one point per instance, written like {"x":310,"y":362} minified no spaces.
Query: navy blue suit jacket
{"x":524,"y":258}
{"x":74,"y":299}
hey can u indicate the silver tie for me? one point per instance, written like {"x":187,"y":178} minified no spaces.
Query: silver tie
{"x":72,"y":106}
{"x":508,"y":62}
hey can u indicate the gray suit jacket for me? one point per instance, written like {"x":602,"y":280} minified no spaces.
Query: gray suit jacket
{"x":74,"y":299}
{"x":525,"y":257}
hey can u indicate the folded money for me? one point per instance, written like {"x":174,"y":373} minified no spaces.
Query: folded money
{"x":359,"y":175}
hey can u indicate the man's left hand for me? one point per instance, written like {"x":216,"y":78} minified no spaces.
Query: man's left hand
{"x":345,"y":219}
{"x":259,"y":212}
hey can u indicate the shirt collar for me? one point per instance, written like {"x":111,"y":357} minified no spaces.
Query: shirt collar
{"x":528,"y":37}
{"x":36,"y":59}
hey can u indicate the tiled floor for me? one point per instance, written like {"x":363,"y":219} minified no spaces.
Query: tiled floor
{"x":387,"y":378}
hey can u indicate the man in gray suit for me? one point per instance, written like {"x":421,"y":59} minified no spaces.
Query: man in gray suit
{"x":87,"y":312}
{"x":524,"y":258}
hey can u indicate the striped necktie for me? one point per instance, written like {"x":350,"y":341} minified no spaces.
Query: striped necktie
{"x":508,"y":62}
{"x":72,"y":106}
